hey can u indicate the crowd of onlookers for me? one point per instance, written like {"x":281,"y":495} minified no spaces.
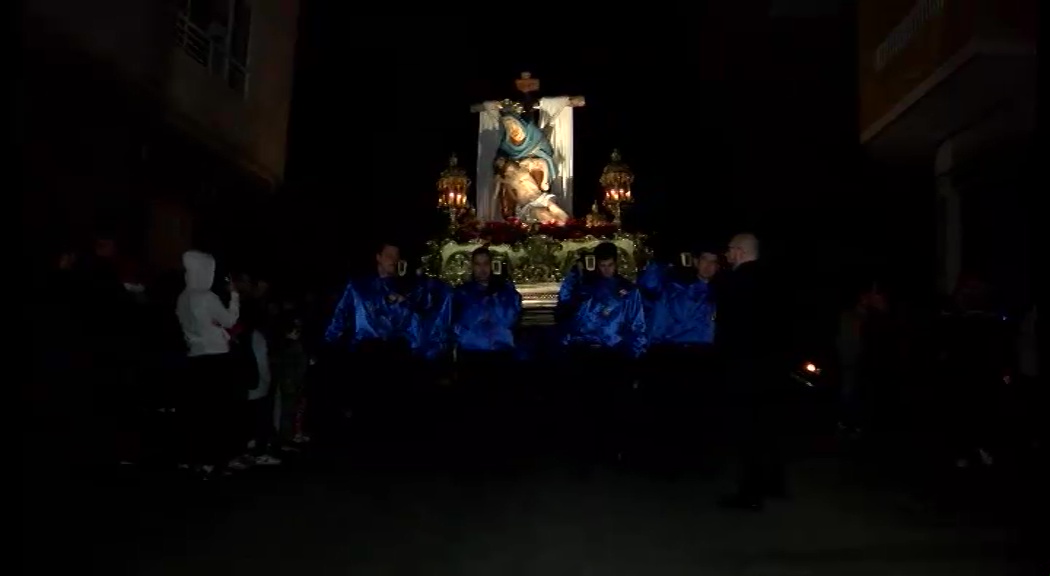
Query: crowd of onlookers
{"x":963,"y":382}
{"x":202,"y":370}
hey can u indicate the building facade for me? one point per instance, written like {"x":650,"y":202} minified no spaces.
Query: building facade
{"x":163,"y":121}
{"x":948,"y":89}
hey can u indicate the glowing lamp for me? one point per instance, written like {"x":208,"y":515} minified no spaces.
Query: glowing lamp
{"x":616,"y":183}
{"x":452,"y":187}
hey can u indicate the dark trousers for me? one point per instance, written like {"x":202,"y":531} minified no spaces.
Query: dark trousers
{"x":755,"y":404}
{"x":853,"y":408}
{"x":260,"y":427}
{"x":970,"y":401}
{"x":599,"y":415}
{"x":485,"y":407}
{"x":375,"y":397}
{"x":118,"y":408}
{"x":213,"y":401}
{"x":289,"y":369}
{"x":684,"y":406}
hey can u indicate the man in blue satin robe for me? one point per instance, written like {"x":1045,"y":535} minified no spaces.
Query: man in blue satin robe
{"x":681,"y":301}
{"x":680,"y":368}
{"x":484,"y":317}
{"x":376,"y":310}
{"x":604,"y":334}
{"x":601,"y":310}
{"x":485,"y":313}
{"x":376,"y":330}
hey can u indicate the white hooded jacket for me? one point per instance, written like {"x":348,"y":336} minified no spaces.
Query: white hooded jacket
{"x":202,"y":315}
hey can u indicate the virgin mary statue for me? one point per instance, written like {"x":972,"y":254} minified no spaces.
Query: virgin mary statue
{"x":525,"y":150}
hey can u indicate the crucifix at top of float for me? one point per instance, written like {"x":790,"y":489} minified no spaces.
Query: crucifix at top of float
{"x":537,"y":135}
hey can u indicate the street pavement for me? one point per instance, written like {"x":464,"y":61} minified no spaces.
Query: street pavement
{"x":542,"y":517}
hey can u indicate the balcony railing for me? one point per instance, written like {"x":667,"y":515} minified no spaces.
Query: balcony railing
{"x":210,"y":53}
{"x":193,"y":41}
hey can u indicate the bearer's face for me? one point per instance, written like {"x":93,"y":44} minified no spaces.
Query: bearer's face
{"x":706,"y":265}
{"x":607,"y":268}
{"x":481,"y":266}
{"x":387,"y":260}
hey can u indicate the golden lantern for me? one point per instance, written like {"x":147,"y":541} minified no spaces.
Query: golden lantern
{"x":616,"y":182}
{"x":453,"y":186}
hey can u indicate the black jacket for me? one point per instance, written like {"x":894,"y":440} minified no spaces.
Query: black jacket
{"x":749,"y":324}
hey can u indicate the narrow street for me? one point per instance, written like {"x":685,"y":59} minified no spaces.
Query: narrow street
{"x":545,"y":518}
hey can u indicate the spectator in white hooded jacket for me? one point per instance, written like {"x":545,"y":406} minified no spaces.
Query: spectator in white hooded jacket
{"x":213,"y":398}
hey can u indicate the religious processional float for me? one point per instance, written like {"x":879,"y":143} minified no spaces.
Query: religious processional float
{"x":524,"y":200}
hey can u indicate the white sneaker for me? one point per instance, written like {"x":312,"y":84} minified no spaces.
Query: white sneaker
{"x":986,"y":457}
{"x":240,"y":463}
{"x":267,"y":460}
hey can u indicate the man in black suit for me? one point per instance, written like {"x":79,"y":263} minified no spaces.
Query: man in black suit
{"x":747,"y":336}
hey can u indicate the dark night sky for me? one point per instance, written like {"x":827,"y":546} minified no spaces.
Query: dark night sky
{"x":730,"y":119}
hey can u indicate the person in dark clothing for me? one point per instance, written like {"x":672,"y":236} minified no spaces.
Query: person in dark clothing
{"x":747,"y":338}
{"x":869,"y":356}
{"x":289,"y":362}
{"x":56,"y":339}
{"x":106,"y":314}
{"x":250,"y":348}
{"x":975,"y":342}
{"x":55,"y":396}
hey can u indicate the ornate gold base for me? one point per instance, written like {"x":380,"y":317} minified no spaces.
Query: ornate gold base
{"x":543,"y":295}
{"x":536,"y":265}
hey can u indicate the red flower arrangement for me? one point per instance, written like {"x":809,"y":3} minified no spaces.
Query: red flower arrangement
{"x":512,"y":231}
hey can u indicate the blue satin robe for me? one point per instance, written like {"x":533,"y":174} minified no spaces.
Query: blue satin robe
{"x":564,"y":310}
{"x":650,"y":282}
{"x":375,"y":308}
{"x":569,"y":283}
{"x":431,"y":298}
{"x":604,"y":312}
{"x":679,"y":309}
{"x":484,"y":320}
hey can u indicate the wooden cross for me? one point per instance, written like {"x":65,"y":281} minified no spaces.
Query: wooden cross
{"x":526,"y":84}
